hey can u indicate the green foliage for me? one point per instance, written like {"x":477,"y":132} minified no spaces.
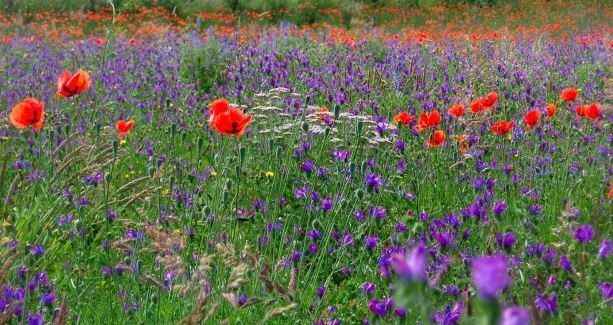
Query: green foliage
{"x":204,"y":66}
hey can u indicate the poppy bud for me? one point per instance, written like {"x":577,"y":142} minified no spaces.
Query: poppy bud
{"x":337,"y":112}
{"x":305,"y":126}
{"x":226,"y":196}
{"x":115,"y":147}
{"x":358,"y":128}
{"x":241,"y":152}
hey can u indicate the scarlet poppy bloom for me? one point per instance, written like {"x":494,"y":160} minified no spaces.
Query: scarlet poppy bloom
{"x":229,"y":121}
{"x":581,"y":110}
{"x":569,"y":94}
{"x":124,"y":127}
{"x":593,"y":112}
{"x":323,"y":113}
{"x":403,"y":118}
{"x":502,"y":127}
{"x":551,"y":110}
{"x":428,"y":120}
{"x":99,"y":41}
{"x":456,"y":110}
{"x":69,"y":85}
{"x":437,"y":139}
{"x":532,"y":118}
{"x":477,"y":106}
{"x":29,"y":112}
{"x":490,"y":99}
{"x":462,"y":143}
{"x":218,"y":106}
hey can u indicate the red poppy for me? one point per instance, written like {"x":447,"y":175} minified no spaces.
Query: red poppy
{"x":477,"y":106}
{"x":484,"y":103}
{"x":532,"y":118}
{"x":490,"y":99}
{"x":228,"y":120}
{"x":456,"y":110}
{"x":462,"y":143}
{"x":124,"y":127}
{"x":551,"y":110}
{"x":403,"y":118}
{"x":502,"y":127}
{"x":218,"y":106}
{"x":134,"y":42}
{"x":593,"y":111}
{"x":69,"y":85}
{"x":428,"y":120}
{"x":569,"y":94}
{"x":99,"y":41}
{"x":30,"y":112}
{"x":437,"y":139}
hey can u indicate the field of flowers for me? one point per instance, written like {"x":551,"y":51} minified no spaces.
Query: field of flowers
{"x":321,"y":177}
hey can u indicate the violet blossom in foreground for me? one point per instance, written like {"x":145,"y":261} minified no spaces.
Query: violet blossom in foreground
{"x":490,"y":276}
{"x":412,"y":266}
{"x":515,"y":316}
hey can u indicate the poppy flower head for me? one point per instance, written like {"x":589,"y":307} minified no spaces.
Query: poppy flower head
{"x":490,"y":99}
{"x":593,"y":112}
{"x":502,"y":127}
{"x":484,"y":103}
{"x":124,"y":127}
{"x":403,"y":118}
{"x":323,"y":113}
{"x":99,"y":41}
{"x":532,"y":118}
{"x":28,"y":113}
{"x":230,"y":122}
{"x":462,"y":141}
{"x":457,"y":110}
{"x":477,"y":106}
{"x":219,"y":106}
{"x":569,"y":94}
{"x":428,"y":120}
{"x":551,"y":110}
{"x":437,"y":139}
{"x":69,"y":85}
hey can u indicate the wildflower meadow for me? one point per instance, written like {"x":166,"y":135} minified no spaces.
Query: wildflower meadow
{"x":320,"y":174}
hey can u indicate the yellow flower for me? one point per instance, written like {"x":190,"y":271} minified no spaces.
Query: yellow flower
{"x":213,"y":173}
{"x":269,"y":174}
{"x":122,"y":141}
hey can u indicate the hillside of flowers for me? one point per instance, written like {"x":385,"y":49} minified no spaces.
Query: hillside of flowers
{"x":332,"y":176}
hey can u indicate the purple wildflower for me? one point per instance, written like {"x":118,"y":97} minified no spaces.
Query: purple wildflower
{"x":584,"y":234}
{"x":499,"y":208}
{"x":606,"y":290}
{"x":605,"y":249}
{"x":373,"y":182}
{"x":547,"y":303}
{"x":515,"y":316}
{"x":411,"y":267}
{"x":489,"y":275}
{"x":378,"y":212}
{"x":449,"y":315}
{"x":371,"y":242}
{"x":368,"y":288}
